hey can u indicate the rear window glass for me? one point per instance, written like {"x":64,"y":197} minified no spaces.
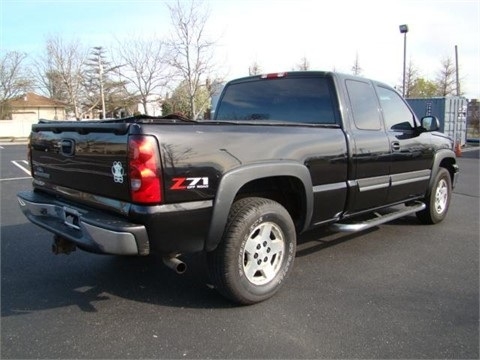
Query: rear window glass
{"x":364,"y":105}
{"x":296,"y":100}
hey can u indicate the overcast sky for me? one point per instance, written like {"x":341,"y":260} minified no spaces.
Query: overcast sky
{"x":276,"y":34}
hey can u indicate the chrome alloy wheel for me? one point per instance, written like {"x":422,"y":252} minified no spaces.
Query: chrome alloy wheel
{"x":263,"y":253}
{"x":441,"y":197}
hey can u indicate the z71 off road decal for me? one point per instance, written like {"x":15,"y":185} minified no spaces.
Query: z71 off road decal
{"x":183,"y":183}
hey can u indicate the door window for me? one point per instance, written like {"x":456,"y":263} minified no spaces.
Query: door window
{"x":396,"y":113}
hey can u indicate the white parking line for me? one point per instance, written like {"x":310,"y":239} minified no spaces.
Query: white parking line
{"x":18,"y":178}
{"x":17,"y":164}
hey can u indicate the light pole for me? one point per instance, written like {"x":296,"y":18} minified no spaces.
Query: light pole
{"x":404,"y":30}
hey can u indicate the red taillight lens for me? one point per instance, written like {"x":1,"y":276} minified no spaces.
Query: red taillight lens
{"x":144,"y":169}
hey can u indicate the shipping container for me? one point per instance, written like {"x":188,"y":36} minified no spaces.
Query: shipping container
{"x":451,"y":111}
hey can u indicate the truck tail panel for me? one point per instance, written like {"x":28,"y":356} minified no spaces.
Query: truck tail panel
{"x":76,"y":157}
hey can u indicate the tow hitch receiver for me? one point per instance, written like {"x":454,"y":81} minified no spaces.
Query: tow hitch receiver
{"x":62,"y":246}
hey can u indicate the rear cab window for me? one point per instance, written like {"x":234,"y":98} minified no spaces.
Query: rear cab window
{"x":363,"y":101}
{"x":302,"y":100}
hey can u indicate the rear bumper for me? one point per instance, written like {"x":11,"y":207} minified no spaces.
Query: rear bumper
{"x":165,"y":229}
{"x":89,"y":229}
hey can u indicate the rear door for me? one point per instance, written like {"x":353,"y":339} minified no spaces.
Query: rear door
{"x":369,"y":178}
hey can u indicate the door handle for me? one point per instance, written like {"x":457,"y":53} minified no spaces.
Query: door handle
{"x":395,"y":146}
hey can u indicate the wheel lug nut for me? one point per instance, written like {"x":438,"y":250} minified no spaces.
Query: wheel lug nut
{"x":268,"y":250}
{"x":255,"y":256}
{"x":266,"y":259}
{"x":259,"y":262}
{"x":264,"y":243}
{"x":259,"y":247}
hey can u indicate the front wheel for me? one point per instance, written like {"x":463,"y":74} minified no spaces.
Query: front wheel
{"x":256,"y":253}
{"x":438,"y":199}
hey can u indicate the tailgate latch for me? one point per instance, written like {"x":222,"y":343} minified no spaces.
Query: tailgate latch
{"x":67,"y":147}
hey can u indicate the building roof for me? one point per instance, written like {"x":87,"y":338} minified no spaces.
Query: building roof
{"x":32,"y":100}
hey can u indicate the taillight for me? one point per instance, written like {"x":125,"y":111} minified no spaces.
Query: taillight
{"x":144,"y":169}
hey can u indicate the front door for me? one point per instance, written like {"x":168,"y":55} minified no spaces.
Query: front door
{"x":411,"y":153}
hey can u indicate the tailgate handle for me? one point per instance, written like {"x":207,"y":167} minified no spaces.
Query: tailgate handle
{"x":67,"y":147}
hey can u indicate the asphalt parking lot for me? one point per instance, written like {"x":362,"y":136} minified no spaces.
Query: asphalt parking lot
{"x":401,"y":290}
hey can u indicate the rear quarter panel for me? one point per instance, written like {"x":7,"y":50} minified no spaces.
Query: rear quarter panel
{"x":194,"y":157}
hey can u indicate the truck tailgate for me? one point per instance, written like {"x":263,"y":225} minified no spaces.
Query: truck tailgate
{"x":85,"y":156}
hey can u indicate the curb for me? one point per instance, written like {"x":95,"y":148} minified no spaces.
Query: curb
{"x":470,"y":149}
{"x":13,"y":138}
{"x":7,"y":140}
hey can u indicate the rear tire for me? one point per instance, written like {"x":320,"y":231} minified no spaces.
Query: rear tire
{"x":256,"y":253}
{"x":438,"y":199}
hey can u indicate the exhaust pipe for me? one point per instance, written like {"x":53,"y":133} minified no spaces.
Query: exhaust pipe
{"x":174,"y":263}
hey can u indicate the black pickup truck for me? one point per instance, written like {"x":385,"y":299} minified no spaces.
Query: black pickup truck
{"x":285,"y":152}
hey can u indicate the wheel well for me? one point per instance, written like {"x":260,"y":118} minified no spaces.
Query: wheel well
{"x":286,"y":190}
{"x":448,"y":163}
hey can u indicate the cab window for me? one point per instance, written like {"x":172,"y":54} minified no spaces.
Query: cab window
{"x":308,"y":100}
{"x":364,"y":105}
{"x":396,"y":113}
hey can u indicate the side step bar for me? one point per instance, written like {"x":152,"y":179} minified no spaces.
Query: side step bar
{"x":379,"y":219}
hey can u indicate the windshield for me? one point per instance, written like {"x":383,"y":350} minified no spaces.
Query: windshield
{"x":296,"y":100}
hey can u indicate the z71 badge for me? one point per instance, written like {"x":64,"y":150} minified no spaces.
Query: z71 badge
{"x":183,"y":183}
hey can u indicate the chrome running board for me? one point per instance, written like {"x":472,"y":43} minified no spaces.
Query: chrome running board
{"x":379,"y":219}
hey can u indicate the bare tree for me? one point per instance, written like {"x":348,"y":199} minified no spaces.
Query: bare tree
{"x":304,"y":64}
{"x":446,"y":81}
{"x":101,"y":84}
{"x":144,"y":65}
{"x":178,"y":103}
{"x":13,"y":79}
{"x":191,"y":52}
{"x":356,"y":69}
{"x":254,"y":69}
{"x":411,"y":76}
{"x":47,"y":78}
{"x":63,"y":66}
{"x":94,"y":79}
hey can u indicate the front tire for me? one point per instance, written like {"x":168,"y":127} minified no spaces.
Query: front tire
{"x":256,"y":253}
{"x":438,"y":199}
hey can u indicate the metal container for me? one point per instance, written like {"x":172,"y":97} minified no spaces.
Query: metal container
{"x":451,"y":111}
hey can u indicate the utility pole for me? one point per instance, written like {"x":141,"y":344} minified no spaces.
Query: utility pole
{"x":404,"y":30}
{"x":102,"y":94}
{"x":456,"y":71}
{"x":97,"y":62}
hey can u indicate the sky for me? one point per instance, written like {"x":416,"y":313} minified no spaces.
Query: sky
{"x":275,"y":34}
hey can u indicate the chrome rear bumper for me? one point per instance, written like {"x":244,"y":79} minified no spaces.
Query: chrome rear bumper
{"x":90,"y":230}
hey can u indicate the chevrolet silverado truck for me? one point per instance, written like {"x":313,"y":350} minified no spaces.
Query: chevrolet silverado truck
{"x":284,"y":153}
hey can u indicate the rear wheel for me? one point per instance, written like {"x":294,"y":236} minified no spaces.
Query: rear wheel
{"x":438,"y":199}
{"x":256,"y":253}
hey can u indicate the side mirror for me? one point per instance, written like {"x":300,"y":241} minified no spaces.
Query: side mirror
{"x":430,"y":123}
